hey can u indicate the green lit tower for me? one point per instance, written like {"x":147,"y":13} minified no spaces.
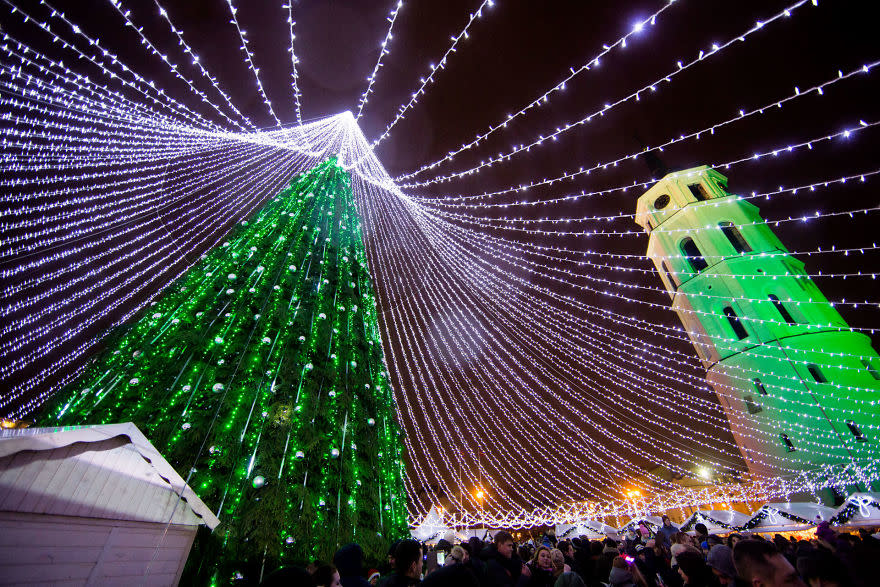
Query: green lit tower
{"x":259,"y":375}
{"x":799,"y":387}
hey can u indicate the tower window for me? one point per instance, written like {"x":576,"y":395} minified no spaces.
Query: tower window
{"x":759,"y":386}
{"x":817,"y":374}
{"x":699,"y":191}
{"x":869,"y":365}
{"x":668,"y":273}
{"x":661,"y":202}
{"x":734,"y":322}
{"x":789,"y":446}
{"x":856,"y":431}
{"x":751,"y":406}
{"x":735,"y":237}
{"x":692,"y":254}
{"x":782,"y":309}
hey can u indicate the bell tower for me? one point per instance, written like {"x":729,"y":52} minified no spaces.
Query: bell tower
{"x":801,"y":390}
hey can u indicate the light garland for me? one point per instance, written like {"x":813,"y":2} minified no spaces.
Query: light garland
{"x":371,"y":79}
{"x":492,"y":324}
{"x":249,"y":61}
{"x":294,"y":75}
{"x":402,"y":110}
{"x":544,"y":98}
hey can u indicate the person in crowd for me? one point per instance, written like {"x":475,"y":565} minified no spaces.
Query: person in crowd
{"x":822,"y":569}
{"x":620,"y":575}
{"x":559,"y":565}
{"x":760,"y":564}
{"x":720,"y":560}
{"x":680,"y":543}
{"x":408,"y":564}
{"x":454,"y":572}
{"x":540,"y":569}
{"x":327,"y":576}
{"x":567,"y":548}
{"x":694,"y":571}
{"x":701,"y":536}
{"x":373,"y":576}
{"x":503,"y":567}
{"x":595,"y":565}
{"x":456,"y":556}
{"x":569,"y":580}
{"x":666,"y":531}
{"x":387,"y":567}
{"x":349,"y":561}
{"x":733,"y":538}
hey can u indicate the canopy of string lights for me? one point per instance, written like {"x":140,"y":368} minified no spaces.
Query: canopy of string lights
{"x":494,"y":147}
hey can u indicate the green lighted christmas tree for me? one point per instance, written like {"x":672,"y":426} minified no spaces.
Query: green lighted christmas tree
{"x":260,"y":377}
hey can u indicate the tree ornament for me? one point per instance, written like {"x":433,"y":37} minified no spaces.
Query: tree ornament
{"x":300,"y":455}
{"x":258,"y":481}
{"x":309,"y":366}
{"x":302,"y":338}
{"x":371,"y":422}
{"x":134,"y":381}
{"x":156,"y":316}
{"x":137,"y":354}
{"x":231,"y":277}
{"x":186,"y":426}
{"x":230,"y":291}
{"x":266,"y":340}
{"x":334,"y":453}
{"x":218,"y":387}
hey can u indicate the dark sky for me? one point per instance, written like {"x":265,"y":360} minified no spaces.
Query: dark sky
{"x":517,"y":51}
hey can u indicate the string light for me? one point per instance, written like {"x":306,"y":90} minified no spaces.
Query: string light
{"x":404,"y":108}
{"x":242,"y":35}
{"x":294,"y":75}
{"x":490,"y":325}
{"x":382,"y":53}
{"x":684,"y":136}
{"x":541,"y":100}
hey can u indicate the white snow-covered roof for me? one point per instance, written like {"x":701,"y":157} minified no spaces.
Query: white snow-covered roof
{"x":592,"y":529}
{"x":432,"y":529}
{"x":778,"y":517}
{"x":710,"y":518}
{"x":866,"y":509}
{"x":110,"y":471}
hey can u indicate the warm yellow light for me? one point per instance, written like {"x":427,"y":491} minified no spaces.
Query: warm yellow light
{"x":480,"y":494}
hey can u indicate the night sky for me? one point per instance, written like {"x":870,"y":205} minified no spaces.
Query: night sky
{"x":517,"y":51}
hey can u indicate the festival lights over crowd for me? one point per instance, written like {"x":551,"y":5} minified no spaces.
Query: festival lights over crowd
{"x":495,"y":158}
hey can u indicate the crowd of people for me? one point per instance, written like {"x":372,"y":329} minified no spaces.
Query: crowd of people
{"x":642,"y":558}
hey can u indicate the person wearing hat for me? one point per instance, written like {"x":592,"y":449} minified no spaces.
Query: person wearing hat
{"x":666,"y":531}
{"x":720,"y":560}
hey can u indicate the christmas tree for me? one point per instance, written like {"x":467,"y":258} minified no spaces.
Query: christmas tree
{"x":260,"y":377}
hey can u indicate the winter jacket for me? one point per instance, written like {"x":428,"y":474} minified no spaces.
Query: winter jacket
{"x":620,"y":578}
{"x":500,"y":571}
